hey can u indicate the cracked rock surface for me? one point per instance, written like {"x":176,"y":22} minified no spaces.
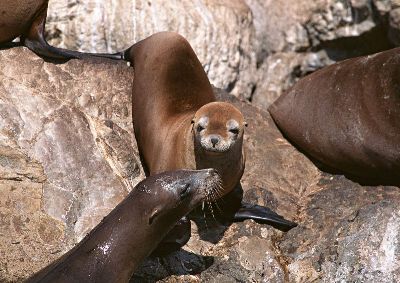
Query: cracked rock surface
{"x":68,"y":156}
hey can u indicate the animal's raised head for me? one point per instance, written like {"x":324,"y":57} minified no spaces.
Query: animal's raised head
{"x":174,"y":194}
{"x":218,"y":127}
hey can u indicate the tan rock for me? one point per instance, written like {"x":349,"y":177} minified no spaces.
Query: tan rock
{"x":67,"y":154}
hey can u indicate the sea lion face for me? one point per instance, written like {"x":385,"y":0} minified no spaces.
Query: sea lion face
{"x":179,"y":192}
{"x":218,"y":126}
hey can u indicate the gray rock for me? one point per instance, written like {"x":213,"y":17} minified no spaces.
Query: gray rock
{"x":350,"y":233}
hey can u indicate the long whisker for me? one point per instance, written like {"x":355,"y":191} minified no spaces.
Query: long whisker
{"x":204,"y":214}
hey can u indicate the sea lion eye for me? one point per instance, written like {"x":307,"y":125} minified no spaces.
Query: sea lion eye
{"x":234,"y":131}
{"x":200,"y":128}
{"x":185,"y":191}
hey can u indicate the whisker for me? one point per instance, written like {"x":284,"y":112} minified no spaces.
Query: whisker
{"x":204,"y":215}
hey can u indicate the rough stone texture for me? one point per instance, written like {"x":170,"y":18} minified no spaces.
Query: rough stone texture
{"x":255,"y":49}
{"x":67,"y":157}
{"x":67,"y":154}
{"x":314,"y":34}
{"x":221,"y":32}
{"x":349,"y":233}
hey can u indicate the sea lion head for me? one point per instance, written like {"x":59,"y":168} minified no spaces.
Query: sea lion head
{"x":176,"y":193}
{"x":218,"y":127}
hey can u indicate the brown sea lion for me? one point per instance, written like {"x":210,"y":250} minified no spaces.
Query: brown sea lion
{"x":179,"y":124}
{"x":26,"y":19}
{"x":130,"y":232}
{"x":347,"y":116}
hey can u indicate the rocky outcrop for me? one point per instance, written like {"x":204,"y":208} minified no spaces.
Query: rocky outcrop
{"x":298,"y":37}
{"x":221,"y":32}
{"x":68,"y":156}
{"x":255,"y":49}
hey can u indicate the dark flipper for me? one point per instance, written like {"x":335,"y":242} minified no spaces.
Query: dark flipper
{"x":233,"y":209}
{"x":263,"y":215}
{"x":175,"y":239}
{"x":35,"y":41}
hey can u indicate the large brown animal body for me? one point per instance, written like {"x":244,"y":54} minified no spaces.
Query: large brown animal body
{"x":26,"y":19}
{"x":171,"y":91}
{"x":179,"y":124}
{"x":347,"y":116}
{"x":116,"y":247}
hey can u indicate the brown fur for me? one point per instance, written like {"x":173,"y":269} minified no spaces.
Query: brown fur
{"x":170,"y":90}
{"x":347,"y":117}
{"x":16,"y":17}
{"x":117,"y":246}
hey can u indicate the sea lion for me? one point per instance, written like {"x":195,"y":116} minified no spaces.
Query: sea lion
{"x":129,"y":233}
{"x":26,"y":19}
{"x":179,"y":124}
{"x":347,"y":116}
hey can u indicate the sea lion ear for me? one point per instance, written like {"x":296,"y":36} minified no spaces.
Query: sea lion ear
{"x":192,"y":122}
{"x":153,"y":215}
{"x":245,"y":124}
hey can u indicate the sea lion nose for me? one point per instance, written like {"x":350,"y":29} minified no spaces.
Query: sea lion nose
{"x":214,"y":140}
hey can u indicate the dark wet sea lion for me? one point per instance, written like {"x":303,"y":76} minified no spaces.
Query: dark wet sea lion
{"x":347,"y":116}
{"x":26,"y":19}
{"x":179,"y":124}
{"x":126,"y":236}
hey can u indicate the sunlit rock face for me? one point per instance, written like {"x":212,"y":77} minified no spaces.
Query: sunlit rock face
{"x":67,"y":154}
{"x":254,"y":49}
{"x":221,"y":32}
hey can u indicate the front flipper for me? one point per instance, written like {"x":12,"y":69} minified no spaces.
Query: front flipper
{"x":233,"y":209}
{"x":263,"y":215}
{"x":35,"y":41}
{"x":175,"y":239}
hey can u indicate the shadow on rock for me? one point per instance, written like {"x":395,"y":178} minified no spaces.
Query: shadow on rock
{"x":177,"y":263}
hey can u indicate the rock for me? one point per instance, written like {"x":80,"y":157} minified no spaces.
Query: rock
{"x":314,"y":34}
{"x":254,"y":49}
{"x":220,"y":32}
{"x":68,"y":156}
{"x":350,"y":233}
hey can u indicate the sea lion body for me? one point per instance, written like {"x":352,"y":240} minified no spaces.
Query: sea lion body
{"x":26,"y":19}
{"x":16,"y":17}
{"x":179,"y":124}
{"x":115,"y":247}
{"x":347,"y":116}
{"x":171,"y":92}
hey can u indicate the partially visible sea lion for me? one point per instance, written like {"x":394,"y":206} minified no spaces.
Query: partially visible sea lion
{"x":115,"y":247}
{"x":179,"y":124}
{"x":347,"y":116}
{"x":26,"y":19}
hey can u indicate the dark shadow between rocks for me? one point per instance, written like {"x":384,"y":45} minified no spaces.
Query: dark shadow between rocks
{"x":177,"y":263}
{"x":368,"y":43}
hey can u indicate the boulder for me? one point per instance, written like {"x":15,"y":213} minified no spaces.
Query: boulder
{"x":68,"y":156}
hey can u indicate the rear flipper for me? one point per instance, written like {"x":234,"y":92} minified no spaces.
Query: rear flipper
{"x":263,"y":215}
{"x":35,"y":41}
